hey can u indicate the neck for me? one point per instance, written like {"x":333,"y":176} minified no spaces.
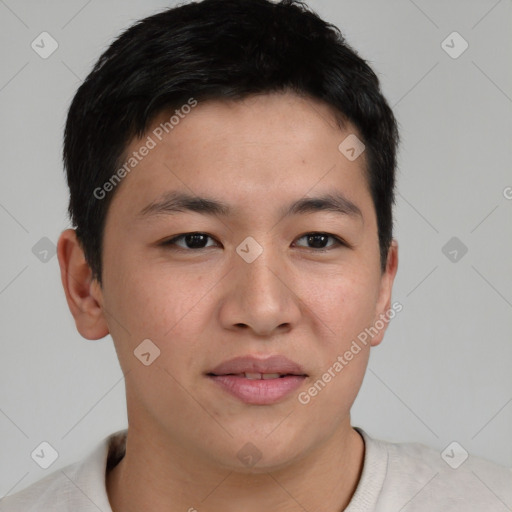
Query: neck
{"x":151,"y":477}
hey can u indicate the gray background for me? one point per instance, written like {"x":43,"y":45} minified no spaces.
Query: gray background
{"x":443,"y":371}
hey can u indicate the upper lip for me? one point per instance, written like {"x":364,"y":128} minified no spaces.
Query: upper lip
{"x":250,"y":364}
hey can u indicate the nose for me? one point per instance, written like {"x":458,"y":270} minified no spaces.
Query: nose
{"x":261,"y":296}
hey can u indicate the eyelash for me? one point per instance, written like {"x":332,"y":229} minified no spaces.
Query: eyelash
{"x":172,"y":242}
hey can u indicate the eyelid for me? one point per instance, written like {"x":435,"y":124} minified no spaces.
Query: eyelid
{"x":172,"y":241}
{"x":339,"y":242}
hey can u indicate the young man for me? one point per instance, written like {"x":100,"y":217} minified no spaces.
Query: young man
{"x":231,"y":172}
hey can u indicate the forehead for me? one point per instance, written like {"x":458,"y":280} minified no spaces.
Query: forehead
{"x":278,"y":120}
{"x":257,"y":150}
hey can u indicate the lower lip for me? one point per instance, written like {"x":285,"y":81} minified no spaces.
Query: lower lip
{"x":258,"y":391}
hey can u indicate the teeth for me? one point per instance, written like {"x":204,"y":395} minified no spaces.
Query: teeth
{"x":258,"y":376}
{"x":252,"y":376}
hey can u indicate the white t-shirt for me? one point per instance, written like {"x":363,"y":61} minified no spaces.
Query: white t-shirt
{"x":396,"y":477}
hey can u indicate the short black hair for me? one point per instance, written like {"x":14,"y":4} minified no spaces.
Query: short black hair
{"x":224,"y":50}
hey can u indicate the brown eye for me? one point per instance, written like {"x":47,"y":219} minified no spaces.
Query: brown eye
{"x":319,"y":240}
{"x":190,"y":240}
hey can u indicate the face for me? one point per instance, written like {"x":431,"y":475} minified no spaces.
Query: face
{"x":259,"y":278}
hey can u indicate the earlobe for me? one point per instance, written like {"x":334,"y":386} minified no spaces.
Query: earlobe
{"x":83,"y":295}
{"x":382,"y":314}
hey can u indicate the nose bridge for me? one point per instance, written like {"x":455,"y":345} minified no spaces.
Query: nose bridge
{"x":260,"y":265}
{"x":263,"y":270}
{"x":260,"y":297}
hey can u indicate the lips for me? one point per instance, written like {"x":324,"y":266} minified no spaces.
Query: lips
{"x":254,"y":368}
{"x":258,"y":381}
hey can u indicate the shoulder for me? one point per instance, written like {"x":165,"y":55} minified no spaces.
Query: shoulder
{"x":78,"y":487}
{"x":420,"y":478}
{"x":41,"y":494}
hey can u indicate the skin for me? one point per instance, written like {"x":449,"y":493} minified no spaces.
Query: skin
{"x":204,"y":306}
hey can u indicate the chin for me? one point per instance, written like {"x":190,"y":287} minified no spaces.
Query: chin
{"x":260,"y":453}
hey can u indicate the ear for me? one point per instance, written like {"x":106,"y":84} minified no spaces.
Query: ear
{"x":386,"y":287}
{"x":83,"y":294}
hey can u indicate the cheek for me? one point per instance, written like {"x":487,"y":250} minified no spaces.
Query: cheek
{"x":165,"y":309}
{"x":166,"y":306}
{"x":344,"y":303}
{"x":344,"y":308}
{"x":152,"y":298}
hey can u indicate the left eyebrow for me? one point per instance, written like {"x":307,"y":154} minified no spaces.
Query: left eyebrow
{"x":175,"y":202}
{"x":334,"y":202}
